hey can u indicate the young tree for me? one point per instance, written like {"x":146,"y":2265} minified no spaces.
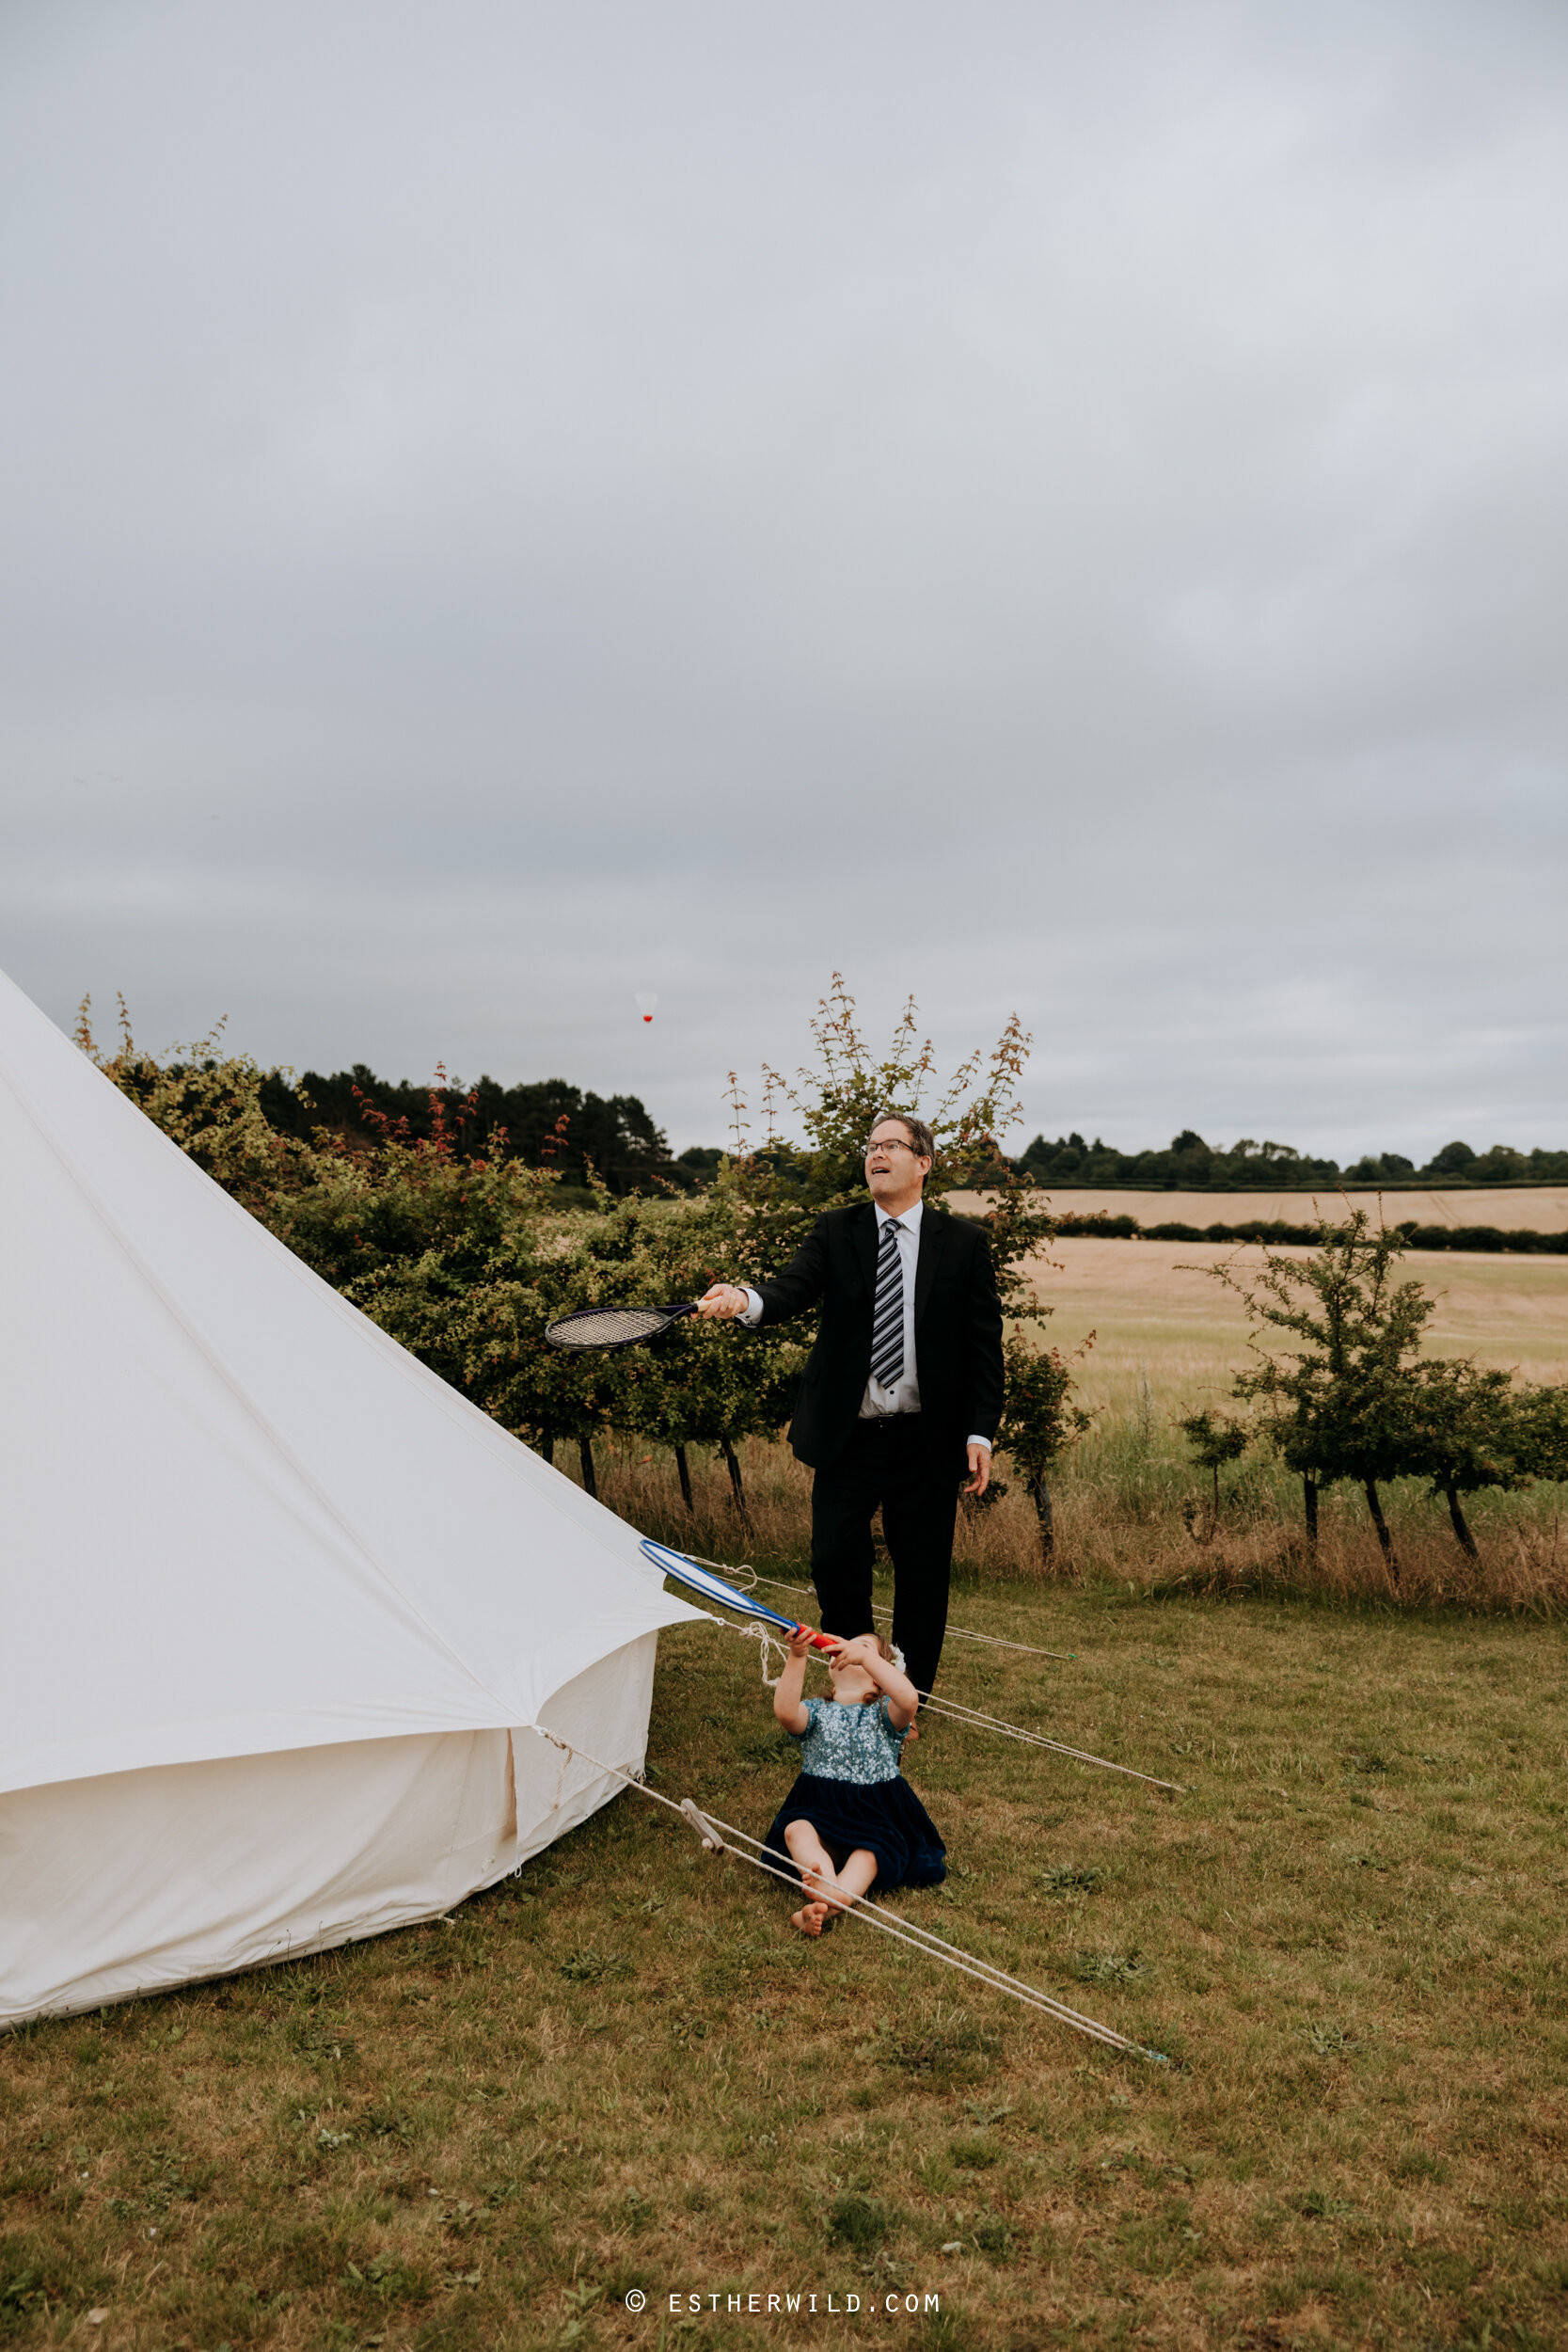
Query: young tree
{"x":1540,"y":1433}
{"x":1465,"y":1432}
{"x":1215,"y":1443}
{"x":779,"y":1188}
{"x":1039,"y":1420}
{"x":1338,"y":1405}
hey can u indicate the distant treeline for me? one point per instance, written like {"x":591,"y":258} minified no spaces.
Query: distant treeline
{"x":1193,"y":1165}
{"x":1278,"y":1234}
{"x":614,"y":1133}
{"x":617,"y":1135}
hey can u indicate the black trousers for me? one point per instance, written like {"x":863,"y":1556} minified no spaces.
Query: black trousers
{"x":891,"y":1462}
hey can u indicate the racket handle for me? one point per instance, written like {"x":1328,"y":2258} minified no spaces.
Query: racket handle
{"x":819,"y":1641}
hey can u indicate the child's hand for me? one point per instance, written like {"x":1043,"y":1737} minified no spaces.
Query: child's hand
{"x":861,"y":1651}
{"x":792,"y":1674}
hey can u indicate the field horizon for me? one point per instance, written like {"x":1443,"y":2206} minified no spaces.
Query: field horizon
{"x":1512,"y":1208}
{"x":1159,"y":1303}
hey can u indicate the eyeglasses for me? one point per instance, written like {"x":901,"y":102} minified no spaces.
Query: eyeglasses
{"x":891,"y":1143}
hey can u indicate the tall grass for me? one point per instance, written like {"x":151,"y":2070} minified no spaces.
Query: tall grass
{"x":1132,"y":1511}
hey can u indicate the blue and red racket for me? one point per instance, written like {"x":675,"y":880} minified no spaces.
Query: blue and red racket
{"x":699,"y":1579}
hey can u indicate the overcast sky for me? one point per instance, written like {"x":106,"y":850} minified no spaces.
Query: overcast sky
{"x":1042,"y":506}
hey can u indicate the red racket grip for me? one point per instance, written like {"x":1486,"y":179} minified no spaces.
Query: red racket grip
{"x":819,"y":1641}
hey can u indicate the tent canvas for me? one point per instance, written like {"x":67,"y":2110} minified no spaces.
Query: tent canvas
{"x":279,"y":1603}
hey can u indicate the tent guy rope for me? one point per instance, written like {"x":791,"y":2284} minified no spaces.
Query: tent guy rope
{"x":721,"y":1837}
{"x":1037,"y":1740}
{"x":962,"y":1714}
{"x":963,"y":1633}
{"x":686,"y":1569}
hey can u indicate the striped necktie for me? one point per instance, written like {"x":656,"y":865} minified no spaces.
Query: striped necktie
{"x":887,"y":1321}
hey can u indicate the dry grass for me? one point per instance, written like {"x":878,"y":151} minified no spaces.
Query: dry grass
{"x":620,"y":2073}
{"x":1130,"y":1514}
{"x":1167,"y":1340}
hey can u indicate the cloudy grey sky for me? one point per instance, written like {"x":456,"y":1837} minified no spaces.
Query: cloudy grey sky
{"x":1041,"y":506}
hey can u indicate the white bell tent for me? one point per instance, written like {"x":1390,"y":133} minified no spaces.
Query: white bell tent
{"x":278,"y":1603}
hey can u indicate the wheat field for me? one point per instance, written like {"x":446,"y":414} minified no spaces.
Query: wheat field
{"x":1158,"y":1311}
{"x":1513,"y":1208}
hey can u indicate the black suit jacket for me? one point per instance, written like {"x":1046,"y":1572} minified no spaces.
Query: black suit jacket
{"x":958,"y":1329}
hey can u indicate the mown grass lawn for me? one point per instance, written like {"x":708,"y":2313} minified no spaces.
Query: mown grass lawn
{"x":620,"y":2072}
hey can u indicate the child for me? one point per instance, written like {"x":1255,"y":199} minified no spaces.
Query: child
{"x":849,"y":1818}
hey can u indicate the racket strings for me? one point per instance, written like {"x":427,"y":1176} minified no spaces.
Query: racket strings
{"x":607,"y":1327}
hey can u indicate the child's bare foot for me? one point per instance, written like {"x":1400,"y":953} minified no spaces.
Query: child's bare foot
{"x":812,"y":1918}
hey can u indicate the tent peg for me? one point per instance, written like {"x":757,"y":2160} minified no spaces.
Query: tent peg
{"x":712,"y":1842}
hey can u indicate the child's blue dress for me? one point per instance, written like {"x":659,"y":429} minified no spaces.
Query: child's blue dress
{"x":852,"y":1793}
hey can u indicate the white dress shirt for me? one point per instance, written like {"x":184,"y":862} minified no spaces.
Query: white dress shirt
{"x":903,"y":1396}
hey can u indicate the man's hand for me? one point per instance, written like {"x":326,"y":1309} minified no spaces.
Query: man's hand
{"x":979,"y":1469}
{"x":724,"y":1301}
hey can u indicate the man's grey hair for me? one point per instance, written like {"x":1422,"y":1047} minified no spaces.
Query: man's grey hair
{"x":919,"y":1133}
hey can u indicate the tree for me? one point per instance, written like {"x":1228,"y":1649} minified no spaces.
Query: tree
{"x":463,"y":1252}
{"x":1214,"y":1442}
{"x":1039,"y":1421}
{"x":1339,"y":1407}
{"x":779,"y":1187}
{"x":547,"y":1122}
{"x":1540,"y":1433}
{"x":1463,"y":1434}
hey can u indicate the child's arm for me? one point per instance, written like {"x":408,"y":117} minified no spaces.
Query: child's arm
{"x":787,"y":1704}
{"x":903,"y":1699}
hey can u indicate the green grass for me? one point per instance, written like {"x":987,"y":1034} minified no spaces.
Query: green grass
{"x":621,"y":2072}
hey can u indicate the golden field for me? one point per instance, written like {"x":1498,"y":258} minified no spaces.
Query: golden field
{"x":1532,"y":1208}
{"x":1158,"y":1312}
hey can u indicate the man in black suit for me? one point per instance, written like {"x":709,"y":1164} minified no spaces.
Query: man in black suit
{"x":902,"y":1392}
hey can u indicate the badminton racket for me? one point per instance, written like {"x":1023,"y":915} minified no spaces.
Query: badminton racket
{"x":701,"y":1580}
{"x":615,"y":1326}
